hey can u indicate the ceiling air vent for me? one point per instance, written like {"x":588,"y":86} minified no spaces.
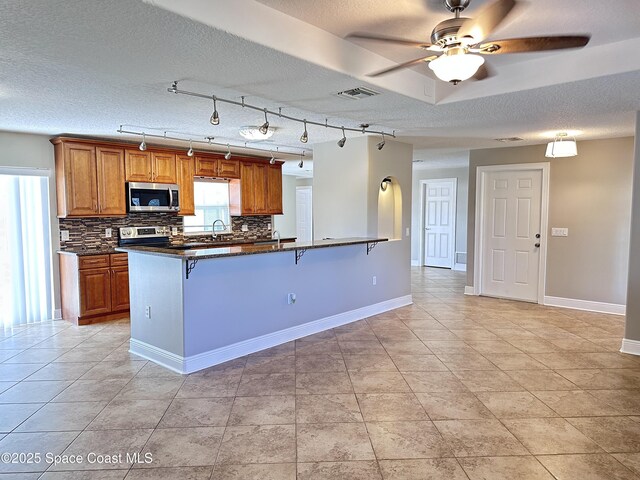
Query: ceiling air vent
{"x":358,"y":93}
{"x":508,"y":139}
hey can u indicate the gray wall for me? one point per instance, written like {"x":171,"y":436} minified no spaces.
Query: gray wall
{"x":591,"y":195}
{"x":417,"y":200}
{"x":632,"y":328}
{"x":35,"y":151}
{"x":286,"y":223}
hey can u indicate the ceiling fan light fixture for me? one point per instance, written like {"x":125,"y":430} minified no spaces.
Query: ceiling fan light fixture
{"x":456,"y":66}
{"x":560,"y":147}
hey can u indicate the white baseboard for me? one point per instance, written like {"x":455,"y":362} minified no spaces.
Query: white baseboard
{"x":468,"y":290}
{"x":203,"y":360}
{"x":57,"y":314}
{"x":630,"y":346}
{"x":460,"y":267}
{"x":415,"y":263}
{"x":599,"y":307}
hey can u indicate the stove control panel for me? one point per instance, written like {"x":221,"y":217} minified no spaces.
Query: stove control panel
{"x":144,"y":232}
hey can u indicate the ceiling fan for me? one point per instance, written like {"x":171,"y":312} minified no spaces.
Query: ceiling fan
{"x":457,"y":44}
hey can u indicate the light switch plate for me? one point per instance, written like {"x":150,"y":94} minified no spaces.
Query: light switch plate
{"x":244,"y":228}
{"x":107,"y":233}
{"x":174,"y":230}
{"x":64,"y":235}
{"x":559,"y":232}
{"x":268,"y":226}
{"x":407,"y":232}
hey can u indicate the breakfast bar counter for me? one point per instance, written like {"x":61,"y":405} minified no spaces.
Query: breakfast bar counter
{"x":195,"y":308}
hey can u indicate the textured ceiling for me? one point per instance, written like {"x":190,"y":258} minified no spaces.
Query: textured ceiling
{"x":87,"y":66}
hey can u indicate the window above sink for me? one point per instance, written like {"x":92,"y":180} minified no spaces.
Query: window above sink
{"x":211,"y":198}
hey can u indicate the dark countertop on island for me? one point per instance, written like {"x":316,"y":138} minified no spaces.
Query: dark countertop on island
{"x":236,"y":250}
{"x":214,"y":244}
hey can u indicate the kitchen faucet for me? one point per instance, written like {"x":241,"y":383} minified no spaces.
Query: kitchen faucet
{"x":213,"y":233}
{"x":273,"y":235}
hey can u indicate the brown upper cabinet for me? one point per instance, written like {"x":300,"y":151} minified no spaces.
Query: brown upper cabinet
{"x":209,"y":166}
{"x":90,"y":180}
{"x":149,"y":166}
{"x":91,"y":177}
{"x":258,"y":191}
{"x":186,"y":171}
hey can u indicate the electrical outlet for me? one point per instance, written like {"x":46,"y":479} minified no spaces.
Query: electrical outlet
{"x":174,"y":230}
{"x":406,"y":234}
{"x":268,"y":226}
{"x":291,"y":298}
{"x":107,"y":233}
{"x":374,"y":280}
{"x":64,"y":235}
{"x":147,"y":311}
{"x":245,"y":227}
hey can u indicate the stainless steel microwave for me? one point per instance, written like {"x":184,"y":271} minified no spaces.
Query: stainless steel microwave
{"x":153,"y":197}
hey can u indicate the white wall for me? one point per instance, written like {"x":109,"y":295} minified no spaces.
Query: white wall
{"x":35,"y":151}
{"x":462,"y":174}
{"x":286,"y":223}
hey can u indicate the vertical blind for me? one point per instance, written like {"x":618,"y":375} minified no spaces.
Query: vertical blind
{"x":25,"y":250}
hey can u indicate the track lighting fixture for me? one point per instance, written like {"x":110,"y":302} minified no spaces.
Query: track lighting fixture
{"x":143,"y":144}
{"x":343,"y":140}
{"x":205,"y":141}
{"x":190,"y":151}
{"x":381,"y":144}
{"x":301,"y":163}
{"x":264,"y":130}
{"x":265,"y":126}
{"x":272,"y":160}
{"x":386,"y":181}
{"x":215,"y":118}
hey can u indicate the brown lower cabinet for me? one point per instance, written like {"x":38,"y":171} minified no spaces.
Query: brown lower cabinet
{"x":94,"y":288}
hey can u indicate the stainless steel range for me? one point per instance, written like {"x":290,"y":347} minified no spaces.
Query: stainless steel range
{"x":149,"y":236}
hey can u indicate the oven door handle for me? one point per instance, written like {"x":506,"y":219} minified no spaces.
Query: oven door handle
{"x":170,"y":198}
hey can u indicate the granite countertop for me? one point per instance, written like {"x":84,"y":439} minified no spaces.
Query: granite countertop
{"x":232,"y":251}
{"x":214,"y":244}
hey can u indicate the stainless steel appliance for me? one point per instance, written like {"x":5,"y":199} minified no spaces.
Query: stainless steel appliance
{"x":149,"y":236}
{"x":153,"y":197}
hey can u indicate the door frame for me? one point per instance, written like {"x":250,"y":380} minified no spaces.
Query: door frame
{"x":310,"y":189}
{"x":423,"y":198}
{"x":481,"y":175}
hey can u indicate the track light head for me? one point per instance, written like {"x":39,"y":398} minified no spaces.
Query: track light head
{"x":190,"y":151}
{"x":343,"y":140}
{"x":301,"y":163}
{"x":143,"y":144}
{"x":215,"y":118}
{"x":386,"y":181}
{"x":227,"y":155}
{"x":380,"y":145}
{"x":265,"y":126}
{"x":272,"y":160}
{"x":305,"y":136}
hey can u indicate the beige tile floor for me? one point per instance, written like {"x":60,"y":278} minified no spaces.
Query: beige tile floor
{"x":453,"y":387}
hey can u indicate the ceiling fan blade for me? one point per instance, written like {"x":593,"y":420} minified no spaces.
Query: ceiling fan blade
{"x":532,"y":44}
{"x":403,"y":65}
{"x":486,"y":21}
{"x":392,"y":40}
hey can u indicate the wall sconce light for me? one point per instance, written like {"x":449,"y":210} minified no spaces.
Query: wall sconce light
{"x":385,"y":183}
{"x":560,"y":147}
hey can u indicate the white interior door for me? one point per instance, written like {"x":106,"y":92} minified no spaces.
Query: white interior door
{"x":511,"y":229}
{"x":439,"y":223}
{"x":304,"y":224}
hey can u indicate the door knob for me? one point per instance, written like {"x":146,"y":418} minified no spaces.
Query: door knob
{"x":537,"y":235}
{"x":537,"y":245}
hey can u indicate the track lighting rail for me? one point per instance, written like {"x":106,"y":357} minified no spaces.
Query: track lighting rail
{"x":206,"y":141}
{"x":174,"y":89}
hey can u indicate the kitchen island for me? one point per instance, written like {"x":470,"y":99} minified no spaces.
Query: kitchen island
{"x":192,"y":309}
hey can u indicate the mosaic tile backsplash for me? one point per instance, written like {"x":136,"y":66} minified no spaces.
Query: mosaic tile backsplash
{"x":88,"y":233}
